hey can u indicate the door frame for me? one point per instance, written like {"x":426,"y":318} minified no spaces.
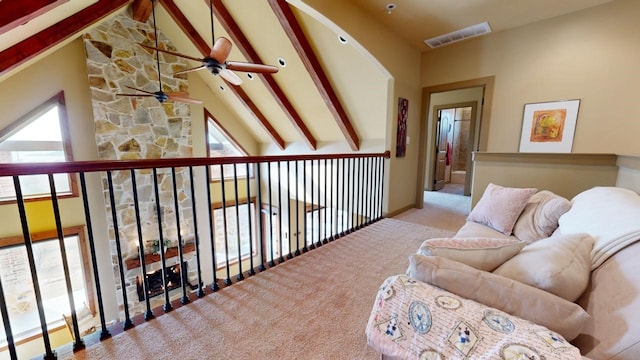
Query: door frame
{"x":427,"y":126}
{"x":472,"y":137}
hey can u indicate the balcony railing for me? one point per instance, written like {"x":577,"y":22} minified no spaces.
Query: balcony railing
{"x":161,"y":233}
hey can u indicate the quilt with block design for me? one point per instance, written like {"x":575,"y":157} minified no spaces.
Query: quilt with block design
{"x":414,"y":320}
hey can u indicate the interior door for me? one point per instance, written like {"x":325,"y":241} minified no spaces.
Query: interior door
{"x":445,"y":120}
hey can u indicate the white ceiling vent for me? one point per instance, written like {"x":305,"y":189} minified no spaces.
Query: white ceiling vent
{"x":458,"y":35}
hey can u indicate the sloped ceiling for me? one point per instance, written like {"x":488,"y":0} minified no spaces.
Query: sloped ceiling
{"x":300,"y":112}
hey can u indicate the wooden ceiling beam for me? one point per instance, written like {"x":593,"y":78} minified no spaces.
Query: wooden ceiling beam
{"x":16,"y":13}
{"x":141,"y":10}
{"x":204,"y":49}
{"x":243,"y":44}
{"x":35,"y":45}
{"x":310,"y":60}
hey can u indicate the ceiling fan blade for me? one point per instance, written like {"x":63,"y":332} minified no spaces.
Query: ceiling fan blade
{"x":249,"y":67}
{"x":182,"y":96}
{"x":189,"y":70}
{"x":171,"y":52}
{"x":144,"y":91}
{"x":221,"y":49}
{"x":136,"y":95}
{"x":230,"y":76}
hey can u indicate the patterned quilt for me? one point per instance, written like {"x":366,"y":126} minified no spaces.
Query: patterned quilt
{"x":414,"y":320}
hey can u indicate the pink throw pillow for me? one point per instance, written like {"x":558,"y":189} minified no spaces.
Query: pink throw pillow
{"x":500,"y":207}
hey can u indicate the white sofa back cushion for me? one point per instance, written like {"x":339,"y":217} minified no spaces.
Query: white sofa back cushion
{"x":610,"y":214}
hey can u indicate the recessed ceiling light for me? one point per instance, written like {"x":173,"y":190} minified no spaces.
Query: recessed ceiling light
{"x":390,"y":7}
{"x":282,"y":62}
{"x":342,"y":39}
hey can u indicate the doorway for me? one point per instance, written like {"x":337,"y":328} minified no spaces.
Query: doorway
{"x":429,"y":127}
{"x":455,"y":133}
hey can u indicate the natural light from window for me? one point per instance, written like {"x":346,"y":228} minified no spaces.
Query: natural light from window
{"x":37,"y":139}
{"x":219,"y":145}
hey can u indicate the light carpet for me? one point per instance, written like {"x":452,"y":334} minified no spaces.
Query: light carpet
{"x":441,"y":210}
{"x":315,"y":306}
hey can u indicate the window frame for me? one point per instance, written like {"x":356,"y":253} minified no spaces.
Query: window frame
{"x":230,"y":205}
{"x":52,"y":235}
{"x":59,"y":101}
{"x":209,"y":117}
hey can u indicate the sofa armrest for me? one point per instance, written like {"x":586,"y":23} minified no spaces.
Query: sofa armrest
{"x":412,"y":319}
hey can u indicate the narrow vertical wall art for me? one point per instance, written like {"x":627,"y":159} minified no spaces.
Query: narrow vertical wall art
{"x":401,"y":140}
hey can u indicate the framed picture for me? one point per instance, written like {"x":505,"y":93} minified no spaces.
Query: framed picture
{"x":401,"y":137}
{"x":549,"y":126}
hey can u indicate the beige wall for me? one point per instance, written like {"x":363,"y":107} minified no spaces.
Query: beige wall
{"x":402,"y":62}
{"x":590,"y":55}
{"x":564,"y":174}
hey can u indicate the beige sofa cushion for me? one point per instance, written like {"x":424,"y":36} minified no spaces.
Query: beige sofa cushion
{"x":473,"y":229}
{"x":480,"y":253}
{"x":499,"y":207}
{"x":559,"y":264}
{"x":613,"y":300}
{"x":539,"y":219}
{"x":502,"y":293}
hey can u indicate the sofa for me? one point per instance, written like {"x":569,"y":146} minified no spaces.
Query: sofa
{"x":530,"y":275}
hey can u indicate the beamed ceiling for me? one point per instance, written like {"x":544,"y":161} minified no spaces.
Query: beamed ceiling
{"x":327,"y":92}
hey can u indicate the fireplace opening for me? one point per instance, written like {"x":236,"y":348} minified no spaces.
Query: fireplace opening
{"x":174,"y":277}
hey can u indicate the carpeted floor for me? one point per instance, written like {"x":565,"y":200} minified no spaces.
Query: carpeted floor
{"x":314,"y":306}
{"x":442,"y":209}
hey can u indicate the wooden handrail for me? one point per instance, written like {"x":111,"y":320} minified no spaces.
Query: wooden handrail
{"x":93,"y":166}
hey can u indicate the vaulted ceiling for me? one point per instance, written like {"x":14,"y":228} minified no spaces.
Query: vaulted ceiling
{"x":328,"y":91}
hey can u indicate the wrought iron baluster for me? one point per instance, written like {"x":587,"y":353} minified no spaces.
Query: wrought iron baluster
{"x":143,"y":263}
{"x":114,"y":218}
{"x":281,"y":258}
{"x":237,"y":207}
{"x":382,"y":165}
{"x":290,"y":254}
{"x":163,"y":261}
{"x":196,"y":236}
{"x":349,"y":198}
{"x":297,"y":234}
{"x":271,"y":254}
{"x":334,"y":202}
{"x":250,"y":224}
{"x":104,"y":333}
{"x":260,"y":222}
{"x":344,"y":196}
{"x":214,"y":285}
{"x":319,"y":243}
{"x":79,"y":343}
{"x":370,"y":186}
{"x":326,"y":205}
{"x":49,"y":354}
{"x":176,"y":206}
{"x":304,"y":203}
{"x":312,"y":245}
{"x":227,"y":281}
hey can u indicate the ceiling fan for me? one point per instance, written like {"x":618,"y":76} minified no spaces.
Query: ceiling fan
{"x":217,"y":62}
{"x":161,"y":96}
